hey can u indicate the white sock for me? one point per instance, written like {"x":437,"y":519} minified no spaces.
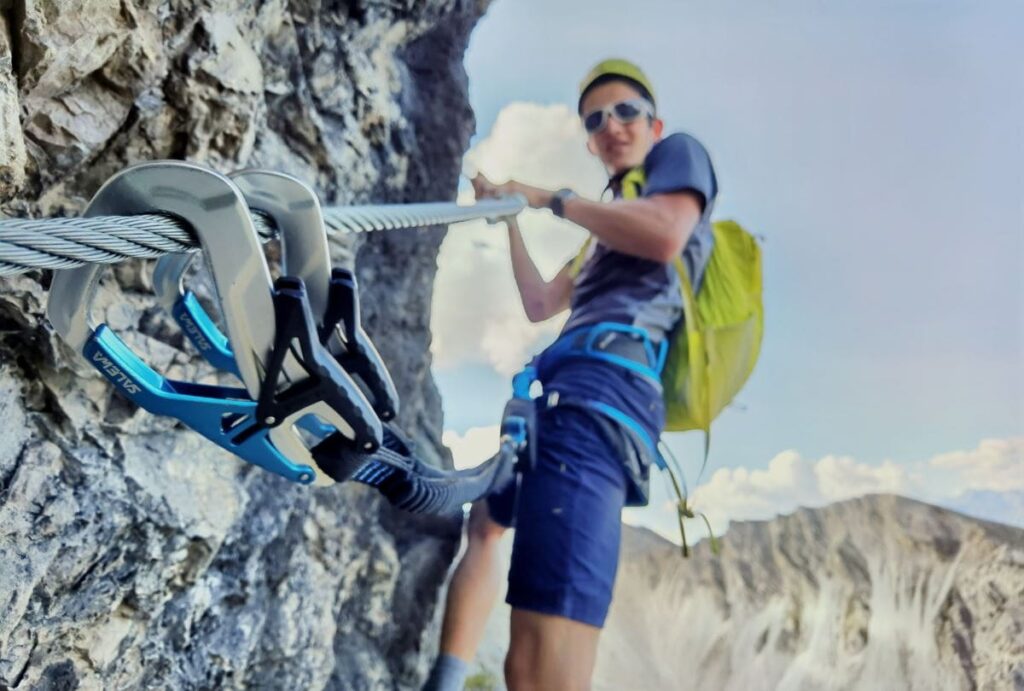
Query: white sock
{"x":448,"y":674}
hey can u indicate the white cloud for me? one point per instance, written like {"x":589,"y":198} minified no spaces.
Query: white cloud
{"x":997,"y":464}
{"x":540,"y":145}
{"x":509,"y":344}
{"x":477,"y":315}
{"x":956,"y":480}
{"x":475,"y":446}
{"x":841,"y":477}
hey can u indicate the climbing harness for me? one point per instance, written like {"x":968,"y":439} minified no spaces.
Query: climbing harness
{"x":307,"y":371}
{"x":621,"y":345}
{"x":519,"y":419}
{"x":630,"y":348}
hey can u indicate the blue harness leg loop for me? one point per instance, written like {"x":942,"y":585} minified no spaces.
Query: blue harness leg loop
{"x":632,"y":425}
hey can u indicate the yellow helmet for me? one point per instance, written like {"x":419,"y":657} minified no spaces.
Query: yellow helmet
{"x":617,"y":67}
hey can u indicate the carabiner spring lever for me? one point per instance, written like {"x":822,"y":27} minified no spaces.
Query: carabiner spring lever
{"x":354,"y":350}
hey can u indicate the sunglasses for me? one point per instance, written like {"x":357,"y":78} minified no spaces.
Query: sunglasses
{"x":623,"y":111}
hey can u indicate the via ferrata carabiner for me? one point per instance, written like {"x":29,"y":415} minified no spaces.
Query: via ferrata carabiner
{"x":281,"y":385}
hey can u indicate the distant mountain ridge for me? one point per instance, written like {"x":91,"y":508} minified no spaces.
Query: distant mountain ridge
{"x":879,"y":592}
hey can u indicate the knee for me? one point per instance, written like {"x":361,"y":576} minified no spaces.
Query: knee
{"x":547,"y":652}
{"x":519,"y":669}
{"x":482,"y":528}
{"x":525,"y":670}
{"x":523,"y":661}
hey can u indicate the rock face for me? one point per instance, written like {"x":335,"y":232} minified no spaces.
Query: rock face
{"x":132,"y":552}
{"x":874,"y":593}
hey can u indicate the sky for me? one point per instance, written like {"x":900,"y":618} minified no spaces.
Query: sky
{"x":878,"y":150}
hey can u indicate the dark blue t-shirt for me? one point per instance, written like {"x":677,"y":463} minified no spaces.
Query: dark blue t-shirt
{"x":616,"y":287}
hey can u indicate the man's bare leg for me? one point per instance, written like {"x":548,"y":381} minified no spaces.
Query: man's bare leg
{"x":471,"y":595}
{"x":474,"y":586}
{"x":549,"y":652}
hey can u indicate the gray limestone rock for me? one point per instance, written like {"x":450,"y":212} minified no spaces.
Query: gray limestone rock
{"x":134,"y":554}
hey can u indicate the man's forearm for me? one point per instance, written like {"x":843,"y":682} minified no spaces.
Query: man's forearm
{"x":638,"y":227}
{"x":531,"y":285}
{"x":654,"y":228}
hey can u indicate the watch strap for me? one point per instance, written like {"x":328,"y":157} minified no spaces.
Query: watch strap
{"x":558,"y":200}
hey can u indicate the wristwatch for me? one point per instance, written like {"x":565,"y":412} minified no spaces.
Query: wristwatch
{"x":558,"y":199}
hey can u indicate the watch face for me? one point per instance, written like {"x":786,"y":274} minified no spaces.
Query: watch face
{"x":558,"y":200}
{"x":556,"y":203}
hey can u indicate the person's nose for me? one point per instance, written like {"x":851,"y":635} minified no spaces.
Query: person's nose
{"x":614,"y":128}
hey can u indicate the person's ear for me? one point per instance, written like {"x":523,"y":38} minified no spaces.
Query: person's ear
{"x":659,"y":126}
{"x":590,"y":146}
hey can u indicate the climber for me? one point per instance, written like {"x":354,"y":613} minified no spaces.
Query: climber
{"x":624,"y":299}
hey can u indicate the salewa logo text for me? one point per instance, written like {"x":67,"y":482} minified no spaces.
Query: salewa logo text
{"x":115,"y":374}
{"x":192,"y":329}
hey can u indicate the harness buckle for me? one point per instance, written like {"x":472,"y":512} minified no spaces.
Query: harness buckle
{"x":519,"y":420}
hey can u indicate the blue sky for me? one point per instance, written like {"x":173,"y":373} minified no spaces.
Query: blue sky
{"x":878,"y":148}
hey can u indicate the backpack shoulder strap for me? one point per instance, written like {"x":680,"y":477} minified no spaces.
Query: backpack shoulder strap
{"x":576,"y":265}
{"x":632,"y":183}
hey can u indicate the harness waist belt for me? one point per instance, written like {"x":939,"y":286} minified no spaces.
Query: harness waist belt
{"x":615,"y":343}
{"x":620,"y":344}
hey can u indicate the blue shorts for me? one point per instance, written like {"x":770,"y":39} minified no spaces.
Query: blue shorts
{"x":567,"y":511}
